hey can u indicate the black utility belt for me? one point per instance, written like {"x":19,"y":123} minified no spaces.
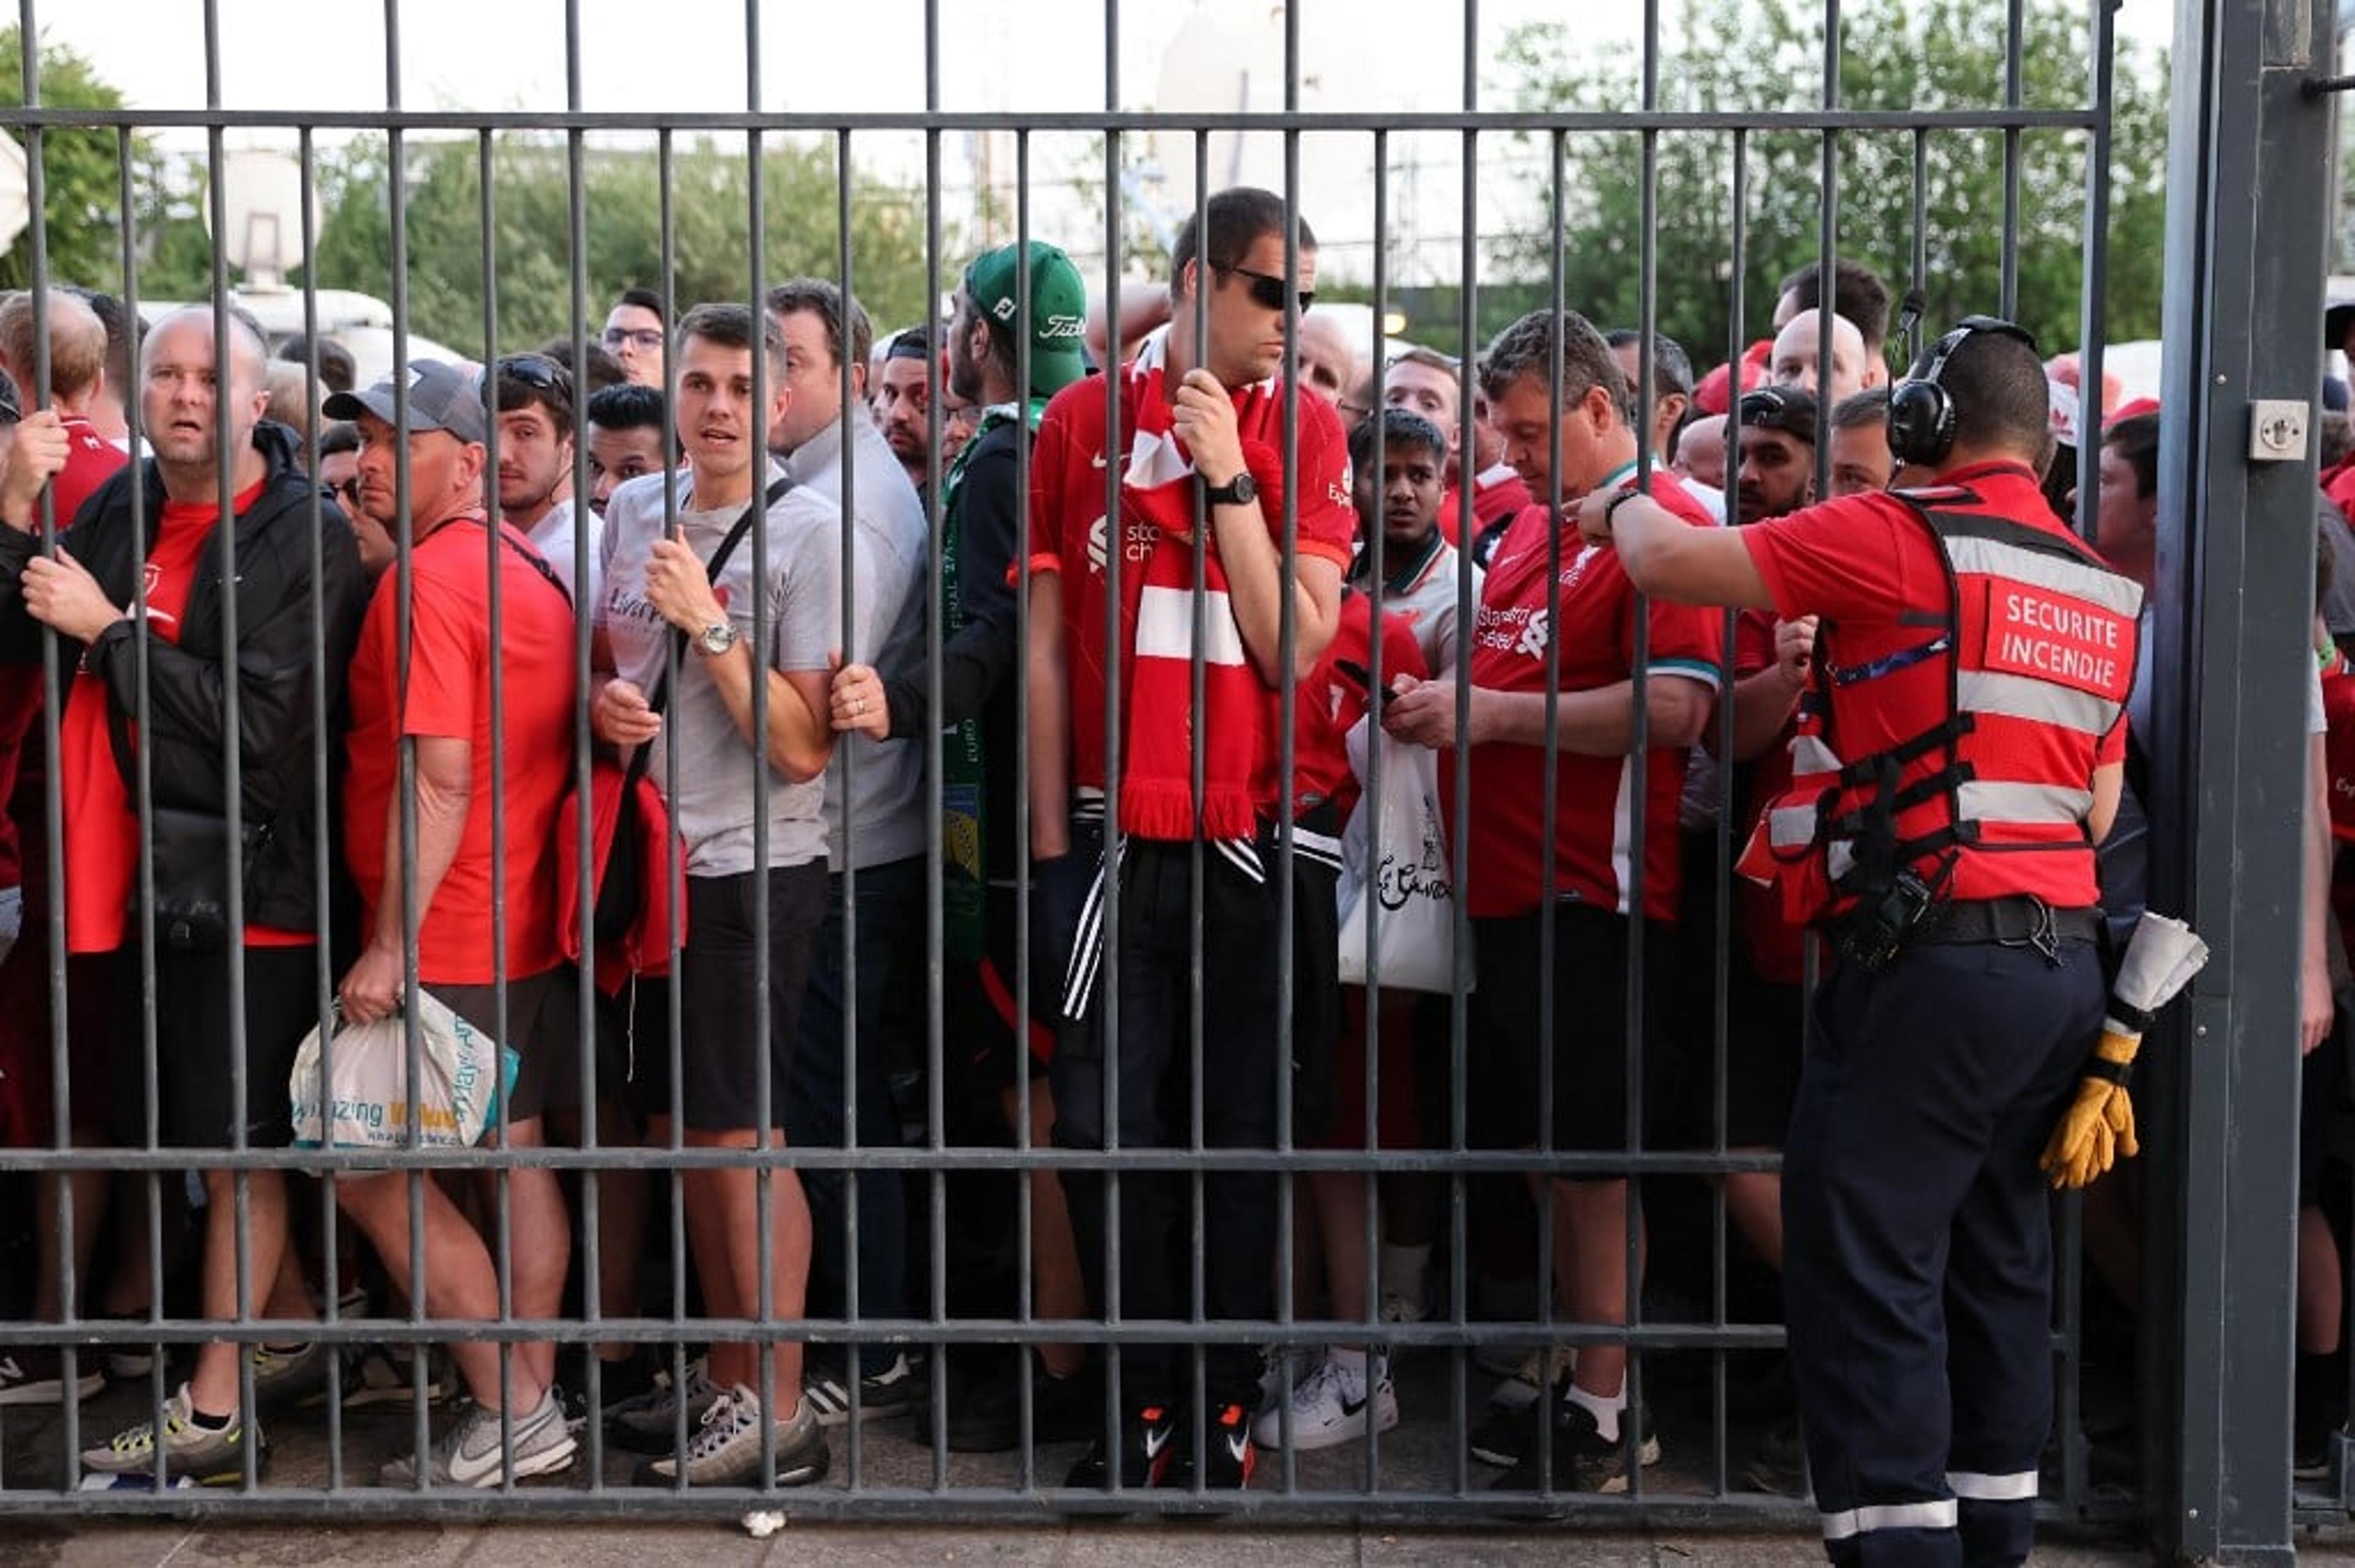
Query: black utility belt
{"x":2021,"y":920}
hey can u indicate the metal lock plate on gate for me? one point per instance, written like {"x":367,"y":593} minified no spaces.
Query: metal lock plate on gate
{"x":2276,"y":430}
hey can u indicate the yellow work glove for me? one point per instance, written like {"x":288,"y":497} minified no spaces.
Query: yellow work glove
{"x":2099,"y":1125}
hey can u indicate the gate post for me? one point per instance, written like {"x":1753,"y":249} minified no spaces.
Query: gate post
{"x":2246,"y":215}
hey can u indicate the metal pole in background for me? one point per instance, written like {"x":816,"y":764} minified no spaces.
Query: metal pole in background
{"x":2245,"y":228}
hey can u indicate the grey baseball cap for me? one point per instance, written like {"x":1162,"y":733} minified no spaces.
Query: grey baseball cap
{"x":441,"y":397}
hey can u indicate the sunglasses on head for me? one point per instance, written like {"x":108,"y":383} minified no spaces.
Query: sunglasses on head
{"x":1768,"y":408}
{"x":533,"y":370}
{"x":1268,"y":290}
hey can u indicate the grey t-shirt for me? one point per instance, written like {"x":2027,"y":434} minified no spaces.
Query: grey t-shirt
{"x":890,"y":603}
{"x":714,"y":806}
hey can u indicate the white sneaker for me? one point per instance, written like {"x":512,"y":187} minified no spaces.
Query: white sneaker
{"x":1333,"y":1406}
{"x":469,"y":1453}
{"x":1285,"y":1364}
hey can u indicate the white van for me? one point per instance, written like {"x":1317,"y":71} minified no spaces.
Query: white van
{"x":361,"y":322}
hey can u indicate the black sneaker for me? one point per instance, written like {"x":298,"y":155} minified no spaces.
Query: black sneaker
{"x":1147,"y":1444}
{"x":1507,"y":1437}
{"x":986,"y":1412}
{"x":1583,"y":1460}
{"x":825,"y":1389}
{"x":1228,"y":1453}
{"x":36,"y":1374}
{"x":1779,"y":1463}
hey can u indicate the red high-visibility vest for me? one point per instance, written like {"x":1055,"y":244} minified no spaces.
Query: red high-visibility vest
{"x":2005,"y":694}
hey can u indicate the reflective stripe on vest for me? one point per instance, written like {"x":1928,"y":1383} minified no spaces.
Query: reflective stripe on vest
{"x":1938,"y":1515}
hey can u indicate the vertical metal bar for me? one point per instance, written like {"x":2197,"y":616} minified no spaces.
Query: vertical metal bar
{"x":1113,"y":1306}
{"x":673,"y":1023}
{"x":405,"y":588}
{"x":1198,"y":628}
{"x":2015,"y":34}
{"x":1647,"y":330}
{"x":1025,"y":1246}
{"x":764,"y":1305}
{"x":232,"y":783}
{"x":593,"y":1306}
{"x":672,"y":1004}
{"x":1721,"y":1012}
{"x":935,"y":773}
{"x":324,"y":801}
{"x":503,"y":1252}
{"x":2246,"y":215}
{"x":1376,"y":677}
{"x":1288,"y":887}
{"x":2092,"y":299}
{"x":1459,"y":840}
{"x":1549,"y":1309}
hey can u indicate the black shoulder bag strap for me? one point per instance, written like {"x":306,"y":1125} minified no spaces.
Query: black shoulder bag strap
{"x":656,"y":699}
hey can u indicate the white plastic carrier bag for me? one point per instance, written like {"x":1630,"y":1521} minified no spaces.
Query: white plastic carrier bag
{"x":1417,"y":928}
{"x":464,"y":1072}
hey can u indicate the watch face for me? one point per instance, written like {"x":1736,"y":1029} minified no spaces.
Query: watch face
{"x":717,"y":639}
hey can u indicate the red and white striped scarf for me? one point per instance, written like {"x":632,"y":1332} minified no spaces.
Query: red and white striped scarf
{"x":1157,"y":488}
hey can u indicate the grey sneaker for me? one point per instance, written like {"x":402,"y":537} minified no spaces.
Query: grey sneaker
{"x":196,"y":1453}
{"x":285,"y":1377}
{"x":647,"y":1423}
{"x":726,"y":1449}
{"x":468,"y":1454}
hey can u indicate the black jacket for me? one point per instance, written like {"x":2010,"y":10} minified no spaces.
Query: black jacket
{"x":279,"y":671}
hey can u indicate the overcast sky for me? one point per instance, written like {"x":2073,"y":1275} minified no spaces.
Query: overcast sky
{"x":837,"y":55}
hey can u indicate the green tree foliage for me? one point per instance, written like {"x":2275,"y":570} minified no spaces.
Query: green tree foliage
{"x":82,"y":171}
{"x":622,"y":196}
{"x":1754,"y":56}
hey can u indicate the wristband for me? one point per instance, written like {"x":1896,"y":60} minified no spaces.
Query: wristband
{"x":1616,"y":502}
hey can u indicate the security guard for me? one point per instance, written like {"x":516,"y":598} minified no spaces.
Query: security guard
{"x":1962,"y":756}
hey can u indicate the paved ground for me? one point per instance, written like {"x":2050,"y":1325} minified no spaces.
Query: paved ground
{"x":1419,"y":1456}
{"x":725,"y":1546}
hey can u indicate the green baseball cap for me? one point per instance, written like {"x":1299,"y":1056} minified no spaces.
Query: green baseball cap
{"x":1058,"y":309}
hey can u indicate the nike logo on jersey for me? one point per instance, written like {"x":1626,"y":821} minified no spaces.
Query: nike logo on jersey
{"x":1097,"y":461}
{"x":1157,"y":1438}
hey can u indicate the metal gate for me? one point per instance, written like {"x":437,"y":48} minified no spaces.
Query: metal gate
{"x":938,"y":1161}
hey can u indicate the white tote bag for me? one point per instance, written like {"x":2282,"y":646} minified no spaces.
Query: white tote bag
{"x":1417,"y":927}
{"x":368,"y":1105}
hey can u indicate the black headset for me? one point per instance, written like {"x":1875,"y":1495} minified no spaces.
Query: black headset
{"x":1920,"y":414}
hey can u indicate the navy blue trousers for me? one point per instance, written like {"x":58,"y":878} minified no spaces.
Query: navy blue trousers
{"x":1918,"y":1253}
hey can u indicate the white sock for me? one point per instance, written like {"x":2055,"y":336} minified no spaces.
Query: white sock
{"x":1353,"y":1364}
{"x":1401,"y":1270}
{"x":1603,"y":1407}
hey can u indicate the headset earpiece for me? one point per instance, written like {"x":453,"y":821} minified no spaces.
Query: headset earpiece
{"x":1921,"y":413}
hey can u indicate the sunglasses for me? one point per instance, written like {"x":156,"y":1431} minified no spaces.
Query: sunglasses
{"x":534,"y":371}
{"x":1268,"y":292}
{"x":348,"y":492}
{"x":1769,"y":408}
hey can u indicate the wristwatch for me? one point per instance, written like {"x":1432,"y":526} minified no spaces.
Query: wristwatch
{"x":716,"y":639}
{"x":1239,"y":491}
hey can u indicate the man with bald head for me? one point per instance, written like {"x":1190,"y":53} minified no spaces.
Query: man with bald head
{"x":202,"y":426}
{"x":1800,"y":344}
{"x":1328,"y":363}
